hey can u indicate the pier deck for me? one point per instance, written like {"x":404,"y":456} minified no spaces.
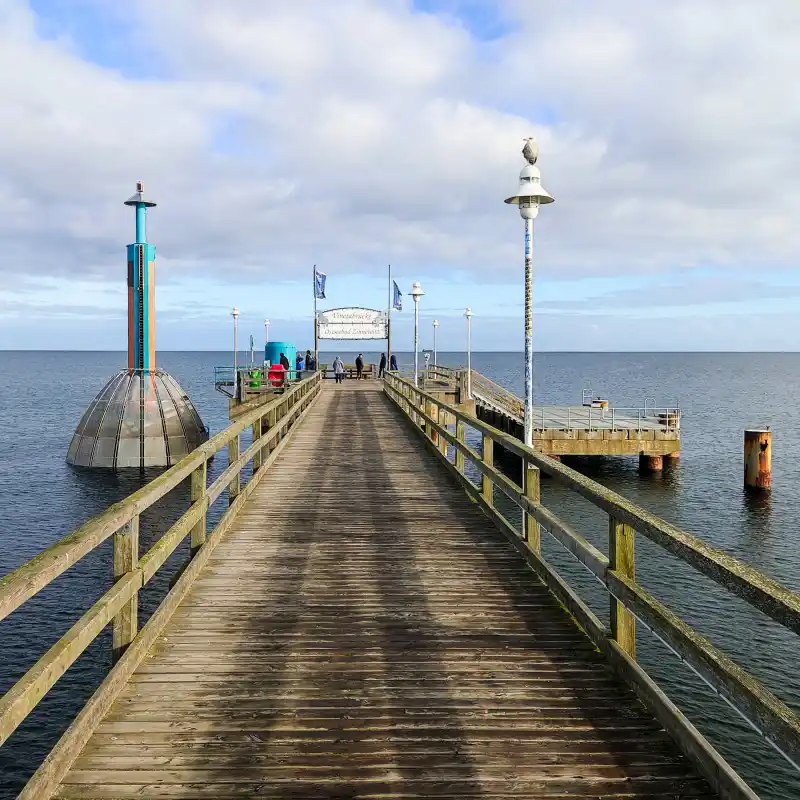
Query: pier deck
{"x":363,"y":621}
{"x":363,"y":631}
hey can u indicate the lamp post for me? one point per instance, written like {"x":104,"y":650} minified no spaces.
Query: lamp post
{"x":235,"y":315}
{"x":266,"y":332}
{"x":530,"y":195}
{"x":435,"y":326}
{"x":468,"y":315}
{"x":416,"y":293}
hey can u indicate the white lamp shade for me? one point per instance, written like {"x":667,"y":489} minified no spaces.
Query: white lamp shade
{"x":530,"y":190}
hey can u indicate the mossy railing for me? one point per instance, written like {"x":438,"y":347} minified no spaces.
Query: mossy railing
{"x":616,"y":570}
{"x":272,"y":424}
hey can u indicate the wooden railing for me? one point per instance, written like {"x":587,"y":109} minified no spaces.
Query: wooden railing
{"x":272,"y":424}
{"x":497,"y":396}
{"x":616,"y":570}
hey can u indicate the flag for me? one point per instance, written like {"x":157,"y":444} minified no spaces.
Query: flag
{"x":319,"y":284}
{"x":397,"y":303}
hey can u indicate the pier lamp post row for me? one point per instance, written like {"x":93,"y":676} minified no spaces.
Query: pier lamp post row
{"x":416,"y":293}
{"x":529,"y":196}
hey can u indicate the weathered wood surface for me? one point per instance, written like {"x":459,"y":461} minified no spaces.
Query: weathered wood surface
{"x":405,"y":651}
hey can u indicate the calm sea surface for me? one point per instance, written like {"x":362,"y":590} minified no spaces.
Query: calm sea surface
{"x":43,"y":394}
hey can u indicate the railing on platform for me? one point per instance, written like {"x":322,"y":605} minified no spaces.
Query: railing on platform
{"x":589,"y":417}
{"x":616,"y":570}
{"x":224,"y":383}
{"x":271,"y":424}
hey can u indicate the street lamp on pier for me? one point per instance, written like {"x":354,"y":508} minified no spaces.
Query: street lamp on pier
{"x":529,"y":196}
{"x":235,"y":315}
{"x":416,"y":293}
{"x":468,"y":315}
{"x":435,"y":327}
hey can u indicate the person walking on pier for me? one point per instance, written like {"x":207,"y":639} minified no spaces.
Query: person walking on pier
{"x":285,"y":362}
{"x":393,"y":363}
{"x":338,"y":369}
{"x":298,"y":364}
{"x":311,"y":363}
{"x":382,"y":366}
{"x":359,"y":366}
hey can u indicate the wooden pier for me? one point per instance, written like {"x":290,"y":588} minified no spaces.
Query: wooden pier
{"x":364,"y":623}
{"x":592,"y":429}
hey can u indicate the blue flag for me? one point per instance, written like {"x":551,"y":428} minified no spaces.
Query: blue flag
{"x":319,"y":284}
{"x":397,"y":303}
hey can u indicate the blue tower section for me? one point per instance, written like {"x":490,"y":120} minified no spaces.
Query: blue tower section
{"x":141,"y":290}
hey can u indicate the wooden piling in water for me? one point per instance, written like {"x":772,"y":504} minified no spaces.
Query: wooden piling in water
{"x":649,"y":463}
{"x":758,"y":460}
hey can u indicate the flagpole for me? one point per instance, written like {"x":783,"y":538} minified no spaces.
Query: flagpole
{"x":316,"y":329}
{"x":389,"y":324}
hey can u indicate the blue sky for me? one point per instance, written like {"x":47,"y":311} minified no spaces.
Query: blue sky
{"x":350,"y":135}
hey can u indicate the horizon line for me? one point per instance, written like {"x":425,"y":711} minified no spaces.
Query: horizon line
{"x":440,"y":352}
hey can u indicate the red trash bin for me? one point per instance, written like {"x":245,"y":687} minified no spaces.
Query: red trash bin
{"x":277,"y":375}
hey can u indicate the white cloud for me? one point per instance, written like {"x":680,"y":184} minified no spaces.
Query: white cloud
{"x":358,"y":132}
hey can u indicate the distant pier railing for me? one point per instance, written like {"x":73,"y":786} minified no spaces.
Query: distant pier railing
{"x":271,"y":425}
{"x":444,"y":428}
{"x":590,"y":415}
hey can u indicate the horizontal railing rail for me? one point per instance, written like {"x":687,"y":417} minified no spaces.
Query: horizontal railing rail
{"x":615,"y":570}
{"x":272,"y":423}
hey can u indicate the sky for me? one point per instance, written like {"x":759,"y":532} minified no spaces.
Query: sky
{"x":358,"y":133}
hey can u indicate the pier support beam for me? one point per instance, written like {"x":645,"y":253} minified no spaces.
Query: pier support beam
{"x":758,"y":460}
{"x":650,"y":463}
{"x":672,"y":460}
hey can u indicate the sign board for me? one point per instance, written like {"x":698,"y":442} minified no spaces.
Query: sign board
{"x":352,"y":323}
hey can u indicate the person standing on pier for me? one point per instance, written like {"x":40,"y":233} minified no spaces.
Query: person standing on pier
{"x":338,"y":369}
{"x":359,"y":366}
{"x":393,"y":363}
{"x":311,"y":364}
{"x":382,"y":366}
{"x":298,"y":363}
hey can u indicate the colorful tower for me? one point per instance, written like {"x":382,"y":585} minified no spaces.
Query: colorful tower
{"x":141,"y":289}
{"x":141,"y":417}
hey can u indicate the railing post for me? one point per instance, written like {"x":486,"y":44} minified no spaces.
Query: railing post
{"x":433,"y":413}
{"x":460,"y":438}
{"x":235,"y":485}
{"x":126,"y":558}
{"x":621,"y":559}
{"x":443,"y":422}
{"x":532,"y":486}
{"x":487,"y":487}
{"x":271,"y":419}
{"x":256,"y":436}
{"x":197,"y":492}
